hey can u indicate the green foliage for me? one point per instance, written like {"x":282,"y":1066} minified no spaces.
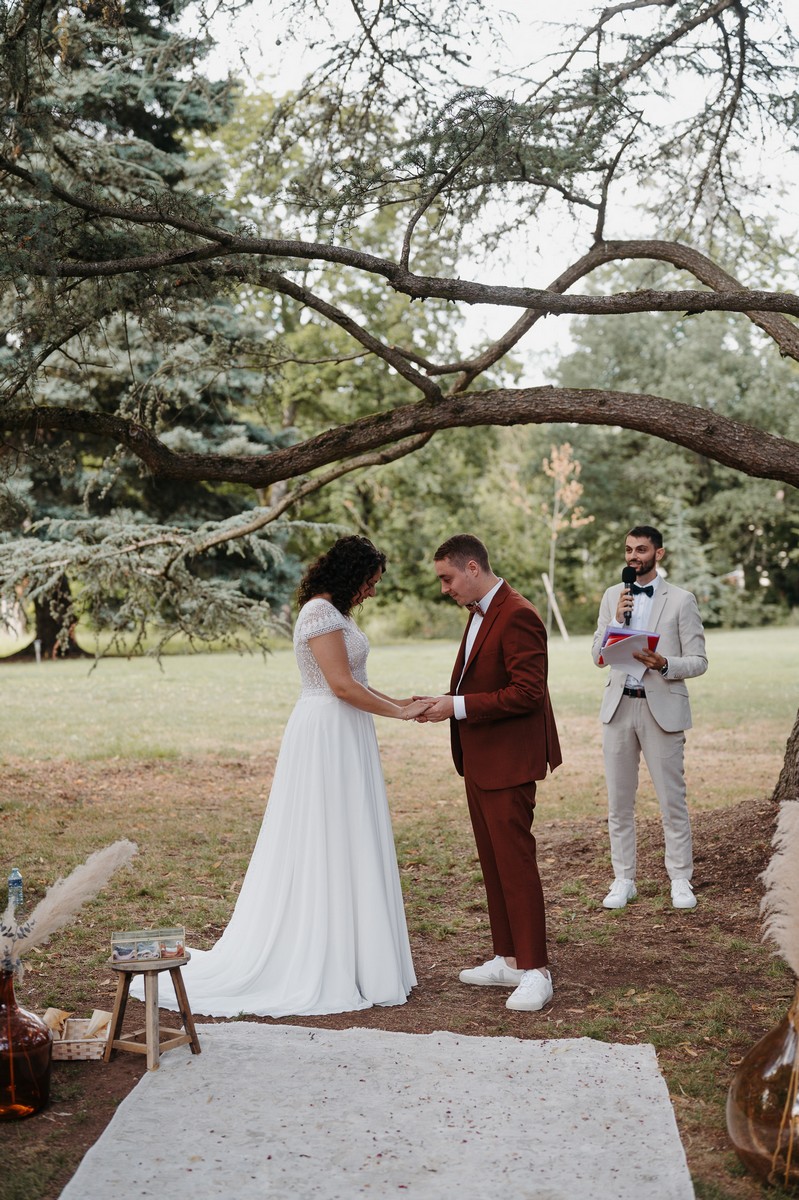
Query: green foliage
{"x":136,"y":588}
{"x":187,"y":365}
{"x":157,"y":291}
{"x":231,"y":373}
{"x":731,"y":539}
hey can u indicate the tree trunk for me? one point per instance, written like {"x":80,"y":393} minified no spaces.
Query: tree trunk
{"x":54,"y":613}
{"x":788,"y":783}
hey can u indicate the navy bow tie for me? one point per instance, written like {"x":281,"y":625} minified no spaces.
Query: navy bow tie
{"x":648,"y":590}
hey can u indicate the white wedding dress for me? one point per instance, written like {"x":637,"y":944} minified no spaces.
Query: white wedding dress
{"x":319,"y":925}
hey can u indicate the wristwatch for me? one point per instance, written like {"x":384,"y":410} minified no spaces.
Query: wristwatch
{"x":665,"y":668}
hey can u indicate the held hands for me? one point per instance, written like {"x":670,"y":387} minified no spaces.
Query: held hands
{"x":427,"y":708}
{"x":415,"y":710}
{"x":438,"y":708}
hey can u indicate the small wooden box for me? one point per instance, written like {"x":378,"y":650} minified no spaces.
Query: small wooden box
{"x":74,"y":1045}
{"x":147,"y":945}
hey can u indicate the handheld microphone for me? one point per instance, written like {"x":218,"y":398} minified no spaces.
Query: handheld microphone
{"x":628,"y":576}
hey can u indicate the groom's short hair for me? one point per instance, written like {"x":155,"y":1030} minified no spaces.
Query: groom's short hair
{"x":462,"y":548}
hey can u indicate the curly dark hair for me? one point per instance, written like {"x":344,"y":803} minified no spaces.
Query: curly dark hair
{"x":341,"y":572}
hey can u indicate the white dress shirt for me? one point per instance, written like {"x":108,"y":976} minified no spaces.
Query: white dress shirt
{"x":642,"y":610}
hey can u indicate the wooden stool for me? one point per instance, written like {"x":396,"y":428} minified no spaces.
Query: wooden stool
{"x":152,"y":1046}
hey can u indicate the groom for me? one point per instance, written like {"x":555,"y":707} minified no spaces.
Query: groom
{"x":503,"y":737}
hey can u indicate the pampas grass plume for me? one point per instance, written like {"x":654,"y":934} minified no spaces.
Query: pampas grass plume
{"x":780,"y":904}
{"x":62,"y":900}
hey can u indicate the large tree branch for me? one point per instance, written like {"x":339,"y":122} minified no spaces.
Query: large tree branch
{"x":701,"y":430}
{"x":426,"y":287}
{"x":395,"y":358}
{"x":189,"y":545}
{"x":266,"y":516}
{"x":784,"y":332}
{"x":417,"y":287}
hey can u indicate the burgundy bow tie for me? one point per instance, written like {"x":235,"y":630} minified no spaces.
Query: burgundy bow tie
{"x":475,"y":608}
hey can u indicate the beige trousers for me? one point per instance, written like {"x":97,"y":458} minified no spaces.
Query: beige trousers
{"x":633,"y":731}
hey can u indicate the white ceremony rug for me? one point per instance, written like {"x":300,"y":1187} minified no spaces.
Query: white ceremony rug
{"x":295,"y":1113}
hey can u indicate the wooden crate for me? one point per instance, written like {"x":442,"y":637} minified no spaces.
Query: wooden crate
{"x":74,"y":1045}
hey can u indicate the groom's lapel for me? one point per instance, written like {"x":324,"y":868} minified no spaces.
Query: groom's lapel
{"x":488,"y":621}
{"x":457,"y":670}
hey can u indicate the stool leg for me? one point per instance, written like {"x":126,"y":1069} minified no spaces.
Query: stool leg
{"x":152,"y":1032}
{"x":120,"y":1000}
{"x":185,"y":1012}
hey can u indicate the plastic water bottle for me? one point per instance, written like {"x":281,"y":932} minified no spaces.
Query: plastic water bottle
{"x":15,"y":893}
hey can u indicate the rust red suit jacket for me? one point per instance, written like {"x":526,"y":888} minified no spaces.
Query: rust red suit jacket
{"x":509,"y":735}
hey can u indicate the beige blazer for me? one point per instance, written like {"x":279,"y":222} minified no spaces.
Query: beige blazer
{"x":675,"y":616}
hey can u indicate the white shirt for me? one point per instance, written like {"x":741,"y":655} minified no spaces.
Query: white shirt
{"x":459,"y":702}
{"x":642,"y":611}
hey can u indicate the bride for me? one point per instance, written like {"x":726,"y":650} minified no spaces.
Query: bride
{"x":319,"y":925}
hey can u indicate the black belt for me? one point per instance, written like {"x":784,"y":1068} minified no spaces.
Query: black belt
{"x":639,"y":693}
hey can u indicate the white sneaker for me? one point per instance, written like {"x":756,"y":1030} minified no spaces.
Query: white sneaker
{"x":682,"y":894}
{"x":621,"y":890}
{"x":495,"y":973}
{"x":534,"y":991}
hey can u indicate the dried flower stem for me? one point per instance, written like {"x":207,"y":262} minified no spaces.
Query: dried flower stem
{"x":780,"y":904}
{"x":61,"y":903}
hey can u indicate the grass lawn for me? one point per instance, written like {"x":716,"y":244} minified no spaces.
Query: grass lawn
{"x":179,"y":759}
{"x":232,"y":706}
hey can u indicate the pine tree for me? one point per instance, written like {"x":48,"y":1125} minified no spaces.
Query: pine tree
{"x":190,"y":366}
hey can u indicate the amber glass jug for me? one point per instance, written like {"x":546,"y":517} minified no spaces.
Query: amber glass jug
{"x":762,"y":1105}
{"x":25,"y":1054}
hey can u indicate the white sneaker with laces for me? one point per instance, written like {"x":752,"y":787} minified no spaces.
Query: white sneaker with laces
{"x":495,"y":973}
{"x":621,"y":890}
{"x":534,"y":991}
{"x":682,"y":894}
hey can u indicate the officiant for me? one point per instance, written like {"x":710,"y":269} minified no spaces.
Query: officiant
{"x":649,"y":714}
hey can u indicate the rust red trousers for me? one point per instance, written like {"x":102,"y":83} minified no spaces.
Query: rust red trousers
{"x":502,"y":821}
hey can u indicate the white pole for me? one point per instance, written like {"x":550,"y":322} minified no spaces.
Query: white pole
{"x":554,"y":606}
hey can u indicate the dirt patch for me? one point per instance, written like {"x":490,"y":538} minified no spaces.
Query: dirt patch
{"x":700,"y":986}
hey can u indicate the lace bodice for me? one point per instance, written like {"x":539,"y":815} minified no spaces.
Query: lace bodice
{"x":319,"y":616}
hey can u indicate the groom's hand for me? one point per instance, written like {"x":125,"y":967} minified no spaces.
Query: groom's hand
{"x":441,"y":709}
{"x":428,"y":701}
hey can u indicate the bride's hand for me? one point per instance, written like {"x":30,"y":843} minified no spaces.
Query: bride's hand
{"x":416,"y":708}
